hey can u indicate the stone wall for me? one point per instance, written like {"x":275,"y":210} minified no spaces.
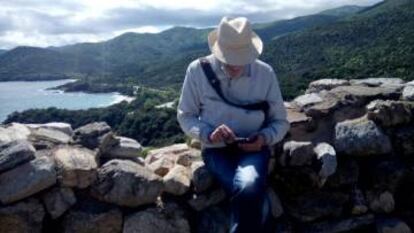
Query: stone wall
{"x":347,"y":165}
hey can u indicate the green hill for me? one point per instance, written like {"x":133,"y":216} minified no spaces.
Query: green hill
{"x":374,"y":42}
{"x":140,"y":58}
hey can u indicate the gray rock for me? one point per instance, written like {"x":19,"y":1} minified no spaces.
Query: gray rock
{"x":365,"y":94}
{"x":58,"y":200}
{"x":126,"y":183}
{"x":60,"y":126}
{"x":107,"y":141}
{"x":93,"y":220}
{"x":213,"y":220}
{"x":381,"y":202}
{"x":201,"y":177}
{"x":177,"y":181}
{"x":346,"y":175}
{"x":343,"y":225}
{"x":202,"y":201}
{"x":27,"y":179}
{"x":13,"y":131}
{"x":90,"y":135}
{"x":327,"y":155}
{"x":307,"y":99}
{"x":170,"y":219}
{"x":162,"y":160}
{"x":392,"y":225}
{"x":390,"y":113}
{"x":377,"y":82}
{"x":48,"y":137}
{"x":403,"y":140}
{"x":316,"y":205}
{"x":127,"y":148}
{"x":22,"y":217}
{"x":297,"y":153}
{"x":76,"y":167}
{"x":325,"y":84}
{"x":408,"y":93}
{"x":15,"y":153}
{"x":361,"y":137}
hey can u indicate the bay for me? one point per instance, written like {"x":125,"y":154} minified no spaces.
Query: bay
{"x":23,"y":95}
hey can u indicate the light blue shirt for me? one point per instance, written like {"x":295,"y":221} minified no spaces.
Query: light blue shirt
{"x":201,"y":110}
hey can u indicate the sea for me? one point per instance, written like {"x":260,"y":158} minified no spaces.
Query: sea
{"x":23,"y":95}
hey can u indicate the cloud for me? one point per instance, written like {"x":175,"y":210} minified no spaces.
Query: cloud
{"x":58,"y":22}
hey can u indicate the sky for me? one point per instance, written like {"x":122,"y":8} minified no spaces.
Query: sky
{"x":45,"y":23}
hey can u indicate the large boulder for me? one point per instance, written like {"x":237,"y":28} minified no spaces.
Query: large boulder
{"x":392,"y":225}
{"x":60,"y":126}
{"x":388,"y":113}
{"x":126,"y":148}
{"x":213,"y":220}
{"x":93,"y":217}
{"x":297,"y":154}
{"x":381,"y":202}
{"x":403,"y":140}
{"x":22,"y":217}
{"x":15,"y":153}
{"x":13,"y":131}
{"x":126,"y":183}
{"x":316,"y":205}
{"x":58,"y":200}
{"x":177,"y":181}
{"x":27,"y":179}
{"x":326,"y":84}
{"x":357,"y":224}
{"x":76,"y":166}
{"x":202,"y":179}
{"x":48,"y":137}
{"x":162,"y":160}
{"x":170,"y":219}
{"x":361,"y":137}
{"x":202,"y":201}
{"x":378,"y":82}
{"x":408,"y":92}
{"x":91,"y":135}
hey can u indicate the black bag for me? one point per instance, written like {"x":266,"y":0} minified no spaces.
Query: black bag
{"x":215,"y":83}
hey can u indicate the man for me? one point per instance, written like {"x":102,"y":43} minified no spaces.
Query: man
{"x":218,"y":121}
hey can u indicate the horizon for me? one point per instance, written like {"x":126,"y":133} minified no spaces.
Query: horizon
{"x":66,"y":23}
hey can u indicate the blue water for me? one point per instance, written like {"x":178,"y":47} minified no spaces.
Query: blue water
{"x":21,"y":95}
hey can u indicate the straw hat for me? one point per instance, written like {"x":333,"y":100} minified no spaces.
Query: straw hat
{"x":234,"y":42}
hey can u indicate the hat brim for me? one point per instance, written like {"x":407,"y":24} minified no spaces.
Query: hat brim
{"x":240,"y":56}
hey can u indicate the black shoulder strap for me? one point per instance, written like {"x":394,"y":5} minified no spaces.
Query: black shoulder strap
{"x":215,"y":83}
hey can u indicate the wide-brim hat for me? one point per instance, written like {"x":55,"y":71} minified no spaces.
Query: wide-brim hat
{"x":234,"y":42}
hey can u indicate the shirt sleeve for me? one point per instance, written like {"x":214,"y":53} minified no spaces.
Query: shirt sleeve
{"x":189,"y":108}
{"x":278,"y":125}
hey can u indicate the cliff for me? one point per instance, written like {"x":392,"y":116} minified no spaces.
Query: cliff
{"x":347,"y":165}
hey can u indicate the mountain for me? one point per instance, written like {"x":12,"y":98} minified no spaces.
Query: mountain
{"x":378,"y":41}
{"x":144,"y":58}
{"x":345,"y":42}
{"x":343,"y":11}
{"x":2,"y":51}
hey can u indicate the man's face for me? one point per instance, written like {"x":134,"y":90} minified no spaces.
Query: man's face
{"x":233,"y":71}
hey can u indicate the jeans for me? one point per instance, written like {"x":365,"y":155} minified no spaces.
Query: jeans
{"x":243,"y":177}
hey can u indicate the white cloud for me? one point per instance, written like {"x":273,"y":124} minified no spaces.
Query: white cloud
{"x":59,"y":22}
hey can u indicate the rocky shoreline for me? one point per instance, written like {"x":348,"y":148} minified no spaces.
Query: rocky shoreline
{"x":346,"y":165}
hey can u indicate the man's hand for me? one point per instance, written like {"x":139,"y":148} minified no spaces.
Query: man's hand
{"x":257,"y":141}
{"x":222,"y":134}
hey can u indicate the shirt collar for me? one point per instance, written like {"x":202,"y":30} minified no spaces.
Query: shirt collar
{"x":217,"y":64}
